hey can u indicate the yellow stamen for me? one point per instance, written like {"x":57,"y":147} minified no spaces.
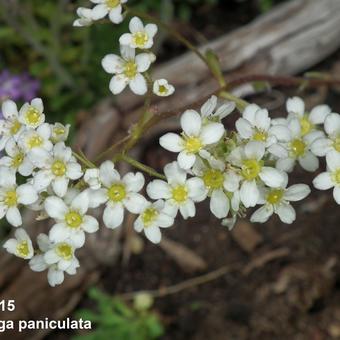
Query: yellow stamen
{"x":11,"y":198}
{"x":117,"y":192}
{"x":298,"y":147}
{"x":15,"y":127}
{"x":274,"y":196}
{"x":213,"y":179}
{"x":73,"y":219}
{"x":180,"y":193}
{"x":192,"y":144}
{"x":65,"y":251}
{"x":34,"y":142}
{"x":58,"y":168}
{"x":260,"y":136}
{"x":336,"y":176}
{"x":130,"y":69}
{"x":17,"y":160}
{"x":149,"y":215}
{"x":32,"y":116}
{"x":251,"y":169}
{"x":140,"y":39}
{"x":22,"y":249}
{"x":112,"y":3}
{"x":306,"y":125}
{"x":336,"y":144}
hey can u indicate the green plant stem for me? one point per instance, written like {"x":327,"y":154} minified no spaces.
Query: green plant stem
{"x":140,"y":166}
{"x":240,"y":103}
{"x":84,"y":160}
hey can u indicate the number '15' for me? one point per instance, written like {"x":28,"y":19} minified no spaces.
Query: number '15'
{"x":7,"y":305}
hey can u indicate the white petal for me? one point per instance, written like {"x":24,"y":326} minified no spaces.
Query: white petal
{"x":336,"y":194}
{"x":108,"y":174}
{"x":249,"y":194}
{"x":186,"y":160}
{"x":297,"y":192}
{"x":172,"y":142}
{"x":254,"y":150}
{"x":55,"y":277}
{"x":188,"y":209}
{"x":332,"y":124}
{"x":174,"y":173}
{"x":286,"y":213}
{"x":74,"y":171}
{"x":143,"y":62}
{"x":60,"y":185}
{"x":262,"y":214}
{"x":138,"y":85}
{"x":55,"y":207}
{"x":97,"y":197}
{"x":9,"y":109}
{"x":191,"y":123}
{"x":272,"y":177}
{"x":115,"y":15}
{"x":262,"y":121}
{"x":219,"y":204}
{"x":136,"y":25}
{"x":99,"y":11}
{"x":90,"y":224}
{"x":319,"y":113}
{"x":249,"y":112}
{"x":113,"y":64}
{"x":59,"y":233}
{"x":118,"y":83}
{"x":134,"y":182}
{"x":323,"y":181}
{"x":209,"y":106}
{"x":333,"y":160}
{"x":281,"y":132}
{"x":81,"y":202}
{"x":134,"y":203}
{"x":285,"y":164}
{"x":212,"y":133}
{"x":26,"y":194}
{"x":113,"y":215}
{"x":244,"y":128}
{"x":278,"y":151}
{"x":158,"y":189}
{"x":309,"y":162}
{"x":321,"y":146}
{"x":295,"y":105}
{"x":196,"y":189}
{"x":13,"y":217}
{"x":153,"y":234}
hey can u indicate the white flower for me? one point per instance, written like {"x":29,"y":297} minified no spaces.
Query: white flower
{"x":21,"y":245}
{"x":179,"y":192}
{"x":152,"y":218}
{"x":220,"y":185}
{"x":111,"y":7}
{"x":322,"y":146}
{"x":277,"y":201}
{"x":255,"y":124}
{"x":127,"y":70}
{"x":56,"y":257}
{"x":209,"y":111}
{"x":250,"y":161}
{"x":298,"y":149}
{"x":31,"y":115}
{"x":59,"y":132}
{"x":16,"y":159}
{"x":308,"y":121}
{"x":140,"y":36}
{"x":162,"y":88}
{"x":37,"y":140}
{"x":91,"y":177}
{"x":194,"y":138}
{"x":85,"y":17}
{"x":11,"y":196}
{"x":331,"y":178}
{"x":10,"y":126}
{"x":230,"y":222}
{"x":57,"y":169}
{"x":72,"y":221}
{"x":118,"y":193}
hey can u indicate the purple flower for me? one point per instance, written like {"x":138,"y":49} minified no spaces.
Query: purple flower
{"x":29,"y":87}
{"x":9,"y":86}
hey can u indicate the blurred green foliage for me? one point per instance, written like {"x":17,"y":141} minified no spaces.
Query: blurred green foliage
{"x":115,"y":320}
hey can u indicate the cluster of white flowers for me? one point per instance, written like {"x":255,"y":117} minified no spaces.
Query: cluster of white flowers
{"x":130,"y":68}
{"x":235,"y":170}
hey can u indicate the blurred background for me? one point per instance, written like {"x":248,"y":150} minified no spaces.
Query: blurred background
{"x":269,"y":281}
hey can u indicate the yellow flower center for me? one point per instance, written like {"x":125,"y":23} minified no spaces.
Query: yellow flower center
{"x":298,"y":147}
{"x":34,"y":142}
{"x":336,"y":144}
{"x":22,"y":249}
{"x":130,"y":69}
{"x":117,"y":192}
{"x":59,"y":131}
{"x":15,"y":127}
{"x":260,"y":136}
{"x":58,"y":168}
{"x":65,"y":251}
{"x":180,"y":193}
{"x":73,"y":219}
{"x":112,"y":3}
{"x":32,"y":116}
{"x":251,"y":169}
{"x":213,"y":179}
{"x":17,"y":160}
{"x":140,"y":39}
{"x":162,"y":89}
{"x":336,"y":176}
{"x":306,"y":125}
{"x":193,"y":144}
{"x":149,"y":215}
{"x":274,"y":196}
{"x":11,"y":198}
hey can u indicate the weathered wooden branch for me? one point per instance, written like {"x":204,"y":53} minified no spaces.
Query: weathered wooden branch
{"x":290,"y":39}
